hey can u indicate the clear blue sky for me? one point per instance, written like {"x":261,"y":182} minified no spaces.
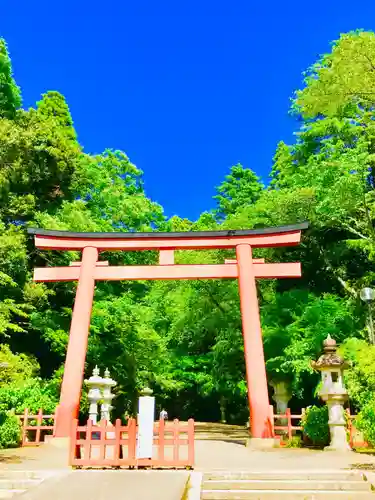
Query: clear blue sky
{"x":186,"y":89}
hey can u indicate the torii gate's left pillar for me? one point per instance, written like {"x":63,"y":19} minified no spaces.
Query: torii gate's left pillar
{"x":77,"y":345}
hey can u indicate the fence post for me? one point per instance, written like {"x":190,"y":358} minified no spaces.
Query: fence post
{"x":272,"y":421}
{"x":54,"y":421}
{"x":289,"y":417}
{"x":175,"y":440}
{"x":350,"y":427}
{"x":87,"y":445}
{"x":38,"y":425}
{"x":161,"y":440}
{"x":24,"y":427}
{"x":132,"y":439}
{"x":73,"y":442}
{"x":191,"y":451}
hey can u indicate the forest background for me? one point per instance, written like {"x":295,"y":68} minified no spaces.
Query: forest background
{"x":184,"y":339}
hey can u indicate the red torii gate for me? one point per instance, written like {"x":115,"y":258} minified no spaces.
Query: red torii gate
{"x":90,"y":269}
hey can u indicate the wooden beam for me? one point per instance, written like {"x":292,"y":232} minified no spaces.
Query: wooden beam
{"x":179,"y":271}
{"x":166,"y":257}
{"x":100,"y":263}
{"x":192,"y":243}
{"x":234,"y":261}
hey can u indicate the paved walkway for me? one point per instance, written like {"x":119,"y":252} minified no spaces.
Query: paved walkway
{"x":167,"y":485}
{"x":112,"y":485}
{"x":231,"y":456}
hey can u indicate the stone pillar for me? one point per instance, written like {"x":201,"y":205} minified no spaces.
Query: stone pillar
{"x":337,"y":424}
{"x":146,"y":416}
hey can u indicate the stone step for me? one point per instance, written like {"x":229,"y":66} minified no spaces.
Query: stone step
{"x":286,"y":484}
{"x":10,"y":493}
{"x":301,"y":475}
{"x":285,"y":494}
{"x":18,"y":483}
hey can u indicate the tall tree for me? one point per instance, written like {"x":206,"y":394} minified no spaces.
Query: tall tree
{"x":240,"y":188}
{"x":10,"y":94}
{"x":53,"y":106}
{"x":342,"y":79}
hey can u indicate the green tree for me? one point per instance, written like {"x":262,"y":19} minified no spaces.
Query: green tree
{"x":341,"y":80}
{"x":240,"y":188}
{"x":10,"y":94}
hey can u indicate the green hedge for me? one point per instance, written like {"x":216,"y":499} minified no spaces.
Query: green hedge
{"x":315,"y":425}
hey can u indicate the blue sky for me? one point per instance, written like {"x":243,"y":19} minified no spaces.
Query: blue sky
{"x":186,"y":89}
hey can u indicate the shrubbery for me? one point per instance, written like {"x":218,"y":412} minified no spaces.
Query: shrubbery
{"x":365,"y":422}
{"x":10,"y":430}
{"x":315,"y":425}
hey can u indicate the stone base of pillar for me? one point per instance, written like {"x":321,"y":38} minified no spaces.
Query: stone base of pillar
{"x":261,"y":443}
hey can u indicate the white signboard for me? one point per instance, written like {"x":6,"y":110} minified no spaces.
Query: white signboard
{"x":146,"y":413}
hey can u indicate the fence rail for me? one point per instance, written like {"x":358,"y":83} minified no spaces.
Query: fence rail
{"x":288,"y":429}
{"x":115,"y":446}
{"x":173,"y":444}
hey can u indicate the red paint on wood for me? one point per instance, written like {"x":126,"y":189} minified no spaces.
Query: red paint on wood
{"x":166,"y":257}
{"x":234,"y":261}
{"x":169,"y":272}
{"x":77,"y":345}
{"x":100,"y":263}
{"x":32,"y":432}
{"x":115,"y":459}
{"x":253,"y":345}
{"x":161,"y":439}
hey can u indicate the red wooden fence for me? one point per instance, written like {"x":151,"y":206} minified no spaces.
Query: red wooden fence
{"x":36,"y":427}
{"x":289,"y":430}
{"x":115,"y":446}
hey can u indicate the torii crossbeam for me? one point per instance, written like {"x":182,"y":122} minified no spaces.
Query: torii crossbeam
{"x":90,"y":269}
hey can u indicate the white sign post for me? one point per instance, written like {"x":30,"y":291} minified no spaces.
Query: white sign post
{"x":146,"y":413}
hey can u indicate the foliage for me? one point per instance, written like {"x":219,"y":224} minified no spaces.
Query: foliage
{"x":10,"y":430}
{"x":10,"y":95}
{"x":365,"y":421}
{"x":315,"y":425}
{"x":15,"y":368}
{"x":33,"y":394}
{"x":294,"y":442}
{"x":240,"y":188}
{"x":342,"y":78}
{"x":360,"y":379}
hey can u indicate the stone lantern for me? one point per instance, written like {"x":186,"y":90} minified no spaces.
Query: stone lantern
{"x":107,"y":397}
{"x":334,"y":393}
{"x":95,"y":385}
{"x":282,"y":395}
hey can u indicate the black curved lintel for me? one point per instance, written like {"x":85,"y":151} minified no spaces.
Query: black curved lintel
{"x":157,"y":235}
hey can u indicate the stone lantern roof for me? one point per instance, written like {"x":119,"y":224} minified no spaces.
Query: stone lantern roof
{"x":330,"y":358}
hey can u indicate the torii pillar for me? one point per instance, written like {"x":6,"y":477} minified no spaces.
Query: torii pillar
{"x":244,"y":268}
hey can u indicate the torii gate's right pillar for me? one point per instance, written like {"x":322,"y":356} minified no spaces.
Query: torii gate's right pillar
{"x":256,"y":377}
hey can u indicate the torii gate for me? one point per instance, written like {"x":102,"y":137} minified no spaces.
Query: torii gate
{"x":90,"y":269}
